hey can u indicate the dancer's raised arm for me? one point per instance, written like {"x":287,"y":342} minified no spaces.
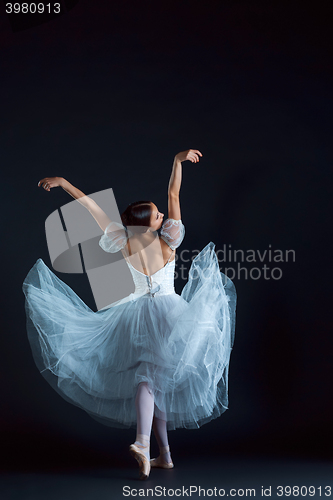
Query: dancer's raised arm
{"x":176,"y":180}
{"x":99,"y":215}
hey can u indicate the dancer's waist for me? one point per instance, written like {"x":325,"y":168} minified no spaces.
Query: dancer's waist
{"x":153,"y":292}
{"x":153,"y":288}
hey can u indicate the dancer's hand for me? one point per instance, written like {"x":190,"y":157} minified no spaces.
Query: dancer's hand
{"x":189,"y":154}
{"x":50,"y":182}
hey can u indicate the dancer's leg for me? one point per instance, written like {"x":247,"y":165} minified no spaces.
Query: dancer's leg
{"x":160,"y":428}
{"x":161,"y":434}
{"x":144,"y":404}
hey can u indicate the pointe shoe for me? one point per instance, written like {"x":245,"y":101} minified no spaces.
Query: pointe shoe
{"x":159,"y":462}
{"x":137,"y":451}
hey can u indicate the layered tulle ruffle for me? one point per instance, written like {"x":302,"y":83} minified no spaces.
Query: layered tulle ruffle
{"x":179,"y":344}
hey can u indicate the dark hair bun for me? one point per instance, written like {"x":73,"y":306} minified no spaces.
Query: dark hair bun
{"x":137,"y":214}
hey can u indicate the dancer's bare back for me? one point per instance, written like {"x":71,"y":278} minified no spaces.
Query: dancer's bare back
{"x":148,"y":253}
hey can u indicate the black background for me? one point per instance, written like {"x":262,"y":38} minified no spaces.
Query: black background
{"x":105,"y":95}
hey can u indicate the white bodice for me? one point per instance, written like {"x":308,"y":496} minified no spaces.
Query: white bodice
{"x":159,"y":283}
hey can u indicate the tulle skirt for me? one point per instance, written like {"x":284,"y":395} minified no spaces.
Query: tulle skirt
{"x":179,"y":344}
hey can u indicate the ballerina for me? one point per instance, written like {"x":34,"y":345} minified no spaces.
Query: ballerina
{"x":154,"y":360}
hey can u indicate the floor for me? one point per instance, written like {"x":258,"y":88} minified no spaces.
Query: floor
{"x":235,"y":477}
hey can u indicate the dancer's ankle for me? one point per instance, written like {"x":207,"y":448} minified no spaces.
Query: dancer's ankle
{"x":143,"y":441}
{"x":165,"y":455}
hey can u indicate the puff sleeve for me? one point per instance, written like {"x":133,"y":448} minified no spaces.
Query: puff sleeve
{"x":114,"y":238}
{"x":173,"y":232}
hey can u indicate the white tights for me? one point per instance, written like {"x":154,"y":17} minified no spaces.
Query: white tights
{"x":145,"y":409}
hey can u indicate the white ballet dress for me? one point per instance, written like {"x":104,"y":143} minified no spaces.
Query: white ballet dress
{"x":179,"y":344}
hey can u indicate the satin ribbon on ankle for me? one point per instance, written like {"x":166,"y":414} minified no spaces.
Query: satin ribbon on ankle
{"x":142,"y":438}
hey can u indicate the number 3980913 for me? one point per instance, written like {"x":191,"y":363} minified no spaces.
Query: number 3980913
{"x":32,"y":8}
